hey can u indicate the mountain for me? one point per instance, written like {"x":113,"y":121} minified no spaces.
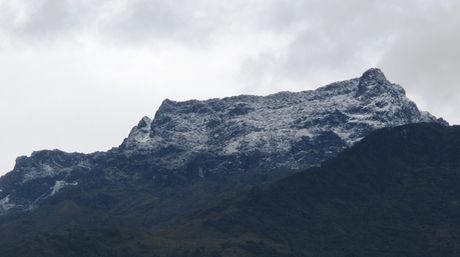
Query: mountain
{"x":227,"y":143}
{"x":190,"y":156}
{"x":395,"y":193}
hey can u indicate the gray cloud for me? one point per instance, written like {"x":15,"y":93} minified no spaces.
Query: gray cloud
{"x":426,"y":58}
{"x":123,"y":21}
{"x":36,"y":20}
{"x":413,"y":41}
{"x":60,"y":59}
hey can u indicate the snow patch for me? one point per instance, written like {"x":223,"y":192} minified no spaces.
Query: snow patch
{"x":60,"y":184}
{"x":5,"y":204}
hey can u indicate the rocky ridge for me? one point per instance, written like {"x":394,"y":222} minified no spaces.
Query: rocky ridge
{"x":291,"y":130}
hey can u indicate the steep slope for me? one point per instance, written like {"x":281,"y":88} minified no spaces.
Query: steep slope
{"x":396,"y":193}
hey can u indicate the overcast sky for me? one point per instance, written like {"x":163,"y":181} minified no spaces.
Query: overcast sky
{"x":77,"y":75}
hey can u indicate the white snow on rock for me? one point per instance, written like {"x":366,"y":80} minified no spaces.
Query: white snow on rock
{"x":5,"y":204}
{"x":272,"y":124}
{"x":140,"y":134}
{"x":44,"y":170}
{"x":60,"y":184}
{"x":49,"y":164}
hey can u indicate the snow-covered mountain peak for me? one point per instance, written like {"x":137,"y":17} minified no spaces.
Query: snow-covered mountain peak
{"x":374,"y":74}
{"x":286,"y":130}
{"x":373,"y":83}
{"x":275,"y":124}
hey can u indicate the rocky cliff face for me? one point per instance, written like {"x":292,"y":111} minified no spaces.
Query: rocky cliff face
{"x":225,"y":136}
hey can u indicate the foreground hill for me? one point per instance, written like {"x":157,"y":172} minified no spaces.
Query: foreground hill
{"x":396,"y":193}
